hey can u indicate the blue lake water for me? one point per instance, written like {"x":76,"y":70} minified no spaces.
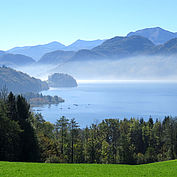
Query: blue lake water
{"x":91,"y":103}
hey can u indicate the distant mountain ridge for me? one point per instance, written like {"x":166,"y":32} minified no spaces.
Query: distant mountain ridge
{"x":82,"y":44}
{"x":114,"y":48}
{"x":118,"y":47}
{"x":56,"y":57}
{"x":148,"y":41}
{"x":167,"y":49}
{"x":36,"y":52}
{"x":157,"y":35}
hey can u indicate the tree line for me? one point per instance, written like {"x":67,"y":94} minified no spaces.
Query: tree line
{"x":18,"y":140}
{"x":28,"y":137}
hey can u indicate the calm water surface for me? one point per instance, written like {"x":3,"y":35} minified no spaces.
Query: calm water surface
{"x":91,"y":103}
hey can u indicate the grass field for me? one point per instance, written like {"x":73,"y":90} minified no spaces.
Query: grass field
{"x":13,"y":169}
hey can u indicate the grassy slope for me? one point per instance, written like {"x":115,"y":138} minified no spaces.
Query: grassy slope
{"x":11,"y":169}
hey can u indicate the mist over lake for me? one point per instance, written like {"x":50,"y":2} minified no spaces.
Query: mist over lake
{"x":92,"y":102}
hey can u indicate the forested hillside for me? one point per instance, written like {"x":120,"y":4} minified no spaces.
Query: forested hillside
{"x":15,"y":59}
{"x":19,"y":82}
{"x":112,"y":141}
{"x":28,"y":137}
{"x":61,"y":80}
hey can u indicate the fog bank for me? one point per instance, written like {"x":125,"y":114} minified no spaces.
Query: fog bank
{"x":135,"y":68}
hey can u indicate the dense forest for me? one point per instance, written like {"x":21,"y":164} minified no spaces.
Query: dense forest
{"x":28,"y":137}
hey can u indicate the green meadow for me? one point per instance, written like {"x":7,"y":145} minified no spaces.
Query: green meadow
{"x":18,"y":169}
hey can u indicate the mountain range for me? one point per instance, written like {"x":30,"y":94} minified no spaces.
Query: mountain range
{"x":114,"y":49}
{"x":82,"y":44}
{"x":36,"y":52}
{"x":149,"y":41}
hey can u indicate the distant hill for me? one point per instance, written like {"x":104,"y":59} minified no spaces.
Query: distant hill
{"x":157,"y":35}
{"x":1,"y":52}
{"x":61,"y":80}
{"x":19,"y":82}
{"x":84,"y":55}
{"x":56,"y":57}
{"x":14,"y":59}
{"x":169,"y":48}
{"x":82,"y":44}
{"x":36,"y":52}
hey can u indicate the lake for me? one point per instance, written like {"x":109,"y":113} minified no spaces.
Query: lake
{"x":93,"y":102}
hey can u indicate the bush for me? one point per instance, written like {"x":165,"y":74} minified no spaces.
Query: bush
{"x":53,"y":159}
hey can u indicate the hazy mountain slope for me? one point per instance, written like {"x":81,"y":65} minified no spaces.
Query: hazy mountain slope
{"x":169,"y":48}
{"x":15,"y":59}
{"x":2,"y":52}
{"x":85,"y":55}
{"x":114,"y":48}
{"x":19,"y":82}
{"x":157,"y":35}
{"x":124,"y":46}
{"x":82,"y":44}
{"x":37,"y":51}
{"x":56,"y":57}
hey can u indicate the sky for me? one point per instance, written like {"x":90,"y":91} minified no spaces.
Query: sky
{"x":33,"y":22}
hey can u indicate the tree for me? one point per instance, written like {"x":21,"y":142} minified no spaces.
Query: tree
{"x":74,"y":136}
{"x":29,"y":144}
{"x":62,"y":126}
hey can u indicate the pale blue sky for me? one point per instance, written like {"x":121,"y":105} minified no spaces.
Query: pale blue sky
{"x":32,"y":22}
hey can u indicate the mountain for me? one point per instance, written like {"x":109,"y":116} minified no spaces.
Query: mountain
{"x":135,"y":43}
{"x":122,"y":47}
{"x":113,"y":48}
{"x":36,"y":52}
{"x":56,"y":57}
{"x":118,"y":47}
{"x":14,"y":59}
{"x":19,"y":82}
{"x":84,"y":55}
{"x":2,"y":52}
{"x":157,"y":35}
{"x":167,"y":49}
{"x":82,"y":44}
{"x":61,"y":80}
